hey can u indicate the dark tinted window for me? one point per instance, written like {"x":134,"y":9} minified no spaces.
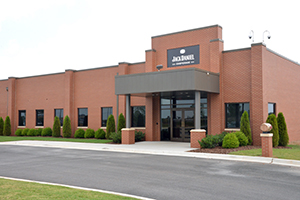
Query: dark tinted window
{"x":60,"y":114}
{"x":83,"y":117}
{"x":138,"y":116}
{"x":105,"y":112}
{"x":39,"y":117}
{"x":234,"y":113}
{"x":22,"y":117}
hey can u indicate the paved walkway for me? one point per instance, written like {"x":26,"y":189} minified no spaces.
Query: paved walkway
{"x":157,"y":148}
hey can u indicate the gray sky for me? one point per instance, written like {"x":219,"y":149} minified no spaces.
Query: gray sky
{"x":49,"y":36}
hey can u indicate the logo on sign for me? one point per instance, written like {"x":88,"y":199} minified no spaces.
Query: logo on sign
{"x":183,"y":56}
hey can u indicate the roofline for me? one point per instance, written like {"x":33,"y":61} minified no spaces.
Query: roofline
{"x":187,"y":31}
{"x":270,"y":50}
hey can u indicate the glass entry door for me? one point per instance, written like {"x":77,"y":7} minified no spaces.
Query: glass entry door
{"x":182,"y":123}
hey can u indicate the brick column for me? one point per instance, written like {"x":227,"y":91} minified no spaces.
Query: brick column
{"x":128,"y":135}
{"x":197,"y":134}
{"x":266,"y":144}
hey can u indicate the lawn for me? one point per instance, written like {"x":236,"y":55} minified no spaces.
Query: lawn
{"x":293,"y":154}
{"x":17,"y":138}
{"x":11,"y":189}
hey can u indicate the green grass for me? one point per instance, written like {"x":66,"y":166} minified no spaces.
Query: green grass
{"x":11,"y":189}
{"x":17,"y":138}
{"x":293,"y":154}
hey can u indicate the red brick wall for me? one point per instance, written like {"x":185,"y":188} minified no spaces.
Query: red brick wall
{"x":3,"y":98}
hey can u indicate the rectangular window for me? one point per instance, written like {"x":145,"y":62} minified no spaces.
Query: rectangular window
{"x":22,"y":117}
{"x":234,"y":113}
{"x":271,"y":108}
{"x":83,"y":117}
{"x":39,"y":117}
{"x":105,"y":112}
{"x":138,"y":116}
{"x":60,"y":114}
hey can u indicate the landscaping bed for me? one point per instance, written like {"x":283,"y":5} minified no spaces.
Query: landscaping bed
{"x":221,"y":150}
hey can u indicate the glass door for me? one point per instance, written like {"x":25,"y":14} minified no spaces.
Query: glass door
{"x":182,"y":123}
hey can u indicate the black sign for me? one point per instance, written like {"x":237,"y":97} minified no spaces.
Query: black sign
{"x":183,"y":56}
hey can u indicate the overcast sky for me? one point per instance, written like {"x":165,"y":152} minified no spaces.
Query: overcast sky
{"x":49,"y":36}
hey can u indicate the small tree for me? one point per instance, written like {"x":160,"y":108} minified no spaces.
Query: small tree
{"x":110,"y":126}
{"x":272,"y":120}
{"x":245,"y":126}
{"x":7,"y":127}
{"x":121,"y":122}
{"x":56,"y":127}
{"x":1,"y":125}
{"x":67,"y":131}
{"x":282,"y":130}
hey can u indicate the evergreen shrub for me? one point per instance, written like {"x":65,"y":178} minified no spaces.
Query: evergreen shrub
{"x":245,"y":126}
{"x":282,"y":130}
{"x":19,"y":132}
{"x":89,"y":133}
{"x":100,"y":134}
{"x":25,"y":131}
{"x":243,"y":140}
{"x":273,"y":121}
{"x":1,"y":125}
{"x":139,"y":136}
{"x":230,"y":141}
{"x":79,"y":133}
{"x":212,"y":141}
{"x":121,"y":122}
{"x":67,"y":131}
{"x":110,"y":126}
{"x":7,"y":127}
{"x":56,"y":127}
{"x":31,"y":132}
{"x":47,"y":132}
{"x":38,"y":132}
{"x":116,"y":137}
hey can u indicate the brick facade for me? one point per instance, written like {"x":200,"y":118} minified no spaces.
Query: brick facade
{"x":255,"y":75}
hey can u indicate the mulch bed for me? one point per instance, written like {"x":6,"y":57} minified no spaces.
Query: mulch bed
{"x":221,"y":150}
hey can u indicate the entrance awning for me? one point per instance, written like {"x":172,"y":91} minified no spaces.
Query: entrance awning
{"x":166,"y":81}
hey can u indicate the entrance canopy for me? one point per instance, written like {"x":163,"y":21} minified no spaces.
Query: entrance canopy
{"x":166,"y":81}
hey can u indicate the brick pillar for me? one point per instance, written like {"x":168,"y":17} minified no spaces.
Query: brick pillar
{"x":266,"y":144}
{"x":128,"y":135}
{"x":197,"y":134}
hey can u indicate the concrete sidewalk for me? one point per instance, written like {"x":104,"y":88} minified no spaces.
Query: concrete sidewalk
{"x":155,"y":148}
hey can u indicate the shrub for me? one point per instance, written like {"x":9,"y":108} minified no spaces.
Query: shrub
{"x":79,"y":133}
{"x":7,"y":127}
{"x":100,"y":134}
{"x":18,"y":132}
{"x":212,"y":141}
{"x":56,"y":127}
{"x":31,"y":132}
{"x":89,"y":133}
{"x":110,"y":126}
{"x":25,"y":131}
{"x":67,"y":131}
{"x":282,"y":130}
{"x":1,"y":125}
{"x":116,"y":137}
{"x":243,"y":140}
{"x":273,"y":121}
{"x":47,"y":132}
{"x":245,"y":126}
{"x":38,"y":132}
{"x":230,"y":141}
{"x":121,"y":122}
{"x":139,"y":136}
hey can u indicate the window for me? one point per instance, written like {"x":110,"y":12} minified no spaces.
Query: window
{"x":22,"y":117}
{"x":234,"y":113}
{"x":83,"y":117}
{"x":105,"y":112}
{"x":271,"y":108}
{"x":60,"y":114}
{"x":138,"y":116}
{"x":39,"y":117}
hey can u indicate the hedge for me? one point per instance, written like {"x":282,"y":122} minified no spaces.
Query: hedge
{"x":7,"y":127}
{"x":47,"y":132}
{"x":56,"y":127}
{"x":282,"y":130}
{"x":273,"y":121}
{"x":100,"y":134}
{"x":89,"y":133}
{"x":110,"y":126}
{"x":230,"y":141}
{"x":79,"y":133}
{"x":1,"y":125}
{"x":67,"y":131}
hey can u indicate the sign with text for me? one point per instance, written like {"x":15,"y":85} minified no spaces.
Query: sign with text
{"x":183,"y":56}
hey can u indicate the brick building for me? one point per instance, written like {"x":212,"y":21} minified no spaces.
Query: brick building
{"x":187,"y":82}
